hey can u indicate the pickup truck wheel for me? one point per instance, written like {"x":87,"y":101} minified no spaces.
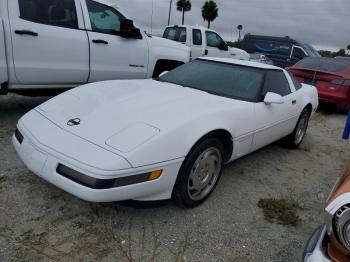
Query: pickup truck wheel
{"x":165,"y":65}
{"x":199,"y":173}
{"x":296,"y":138}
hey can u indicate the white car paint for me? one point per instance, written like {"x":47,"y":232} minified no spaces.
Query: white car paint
{"x":203,"y":49}
{"x":136,"y":126}
{"x":62,"y":57}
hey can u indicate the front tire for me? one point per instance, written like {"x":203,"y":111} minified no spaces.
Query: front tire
{"x":199,"y":173}
{"x":296,"y":138}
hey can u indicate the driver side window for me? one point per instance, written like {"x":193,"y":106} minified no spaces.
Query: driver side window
{"x":104,"y":19}
{"x":213,"y":39}
{"x":276,"y":82}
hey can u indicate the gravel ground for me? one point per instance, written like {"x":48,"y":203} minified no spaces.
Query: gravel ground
{"x":39,"y":222}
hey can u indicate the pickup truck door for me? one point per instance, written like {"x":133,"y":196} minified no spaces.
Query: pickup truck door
{"x":275,"y":121}
{"x":197,"y":43}
{"x":213,"y":44}
{"x":3,"y":64}
{"x":112,"y":56}
{"x":49,"y":42}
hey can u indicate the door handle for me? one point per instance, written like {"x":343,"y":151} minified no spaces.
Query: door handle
{"x":100,"y":41}
{"x":26,"y":32}
{"x":294,"y":102}
{"x":206,"y":52}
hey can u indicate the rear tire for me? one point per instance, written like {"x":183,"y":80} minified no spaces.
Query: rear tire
{"x":294,"y":140}
{"x":199,"y":173}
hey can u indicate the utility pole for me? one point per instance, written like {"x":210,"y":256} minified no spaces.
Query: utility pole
{"x":171,"y":3}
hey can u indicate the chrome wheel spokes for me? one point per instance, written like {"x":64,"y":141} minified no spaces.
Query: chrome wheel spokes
{"x":204,"y":173}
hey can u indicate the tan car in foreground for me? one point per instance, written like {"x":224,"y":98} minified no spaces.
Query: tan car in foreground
{"x":331,"y":242}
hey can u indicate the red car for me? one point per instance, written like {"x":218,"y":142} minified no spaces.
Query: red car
{"x":331,"y":76}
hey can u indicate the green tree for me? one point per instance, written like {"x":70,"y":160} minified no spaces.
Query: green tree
{"x":210,"y":11}
{"x":183,"y":6}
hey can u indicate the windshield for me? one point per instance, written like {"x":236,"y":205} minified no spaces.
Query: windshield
{"x":228,"y":80}
{"x":310,"y":50}
{"x":324,"y":64}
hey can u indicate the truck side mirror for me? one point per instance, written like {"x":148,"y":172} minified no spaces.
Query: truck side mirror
{"x":223,"y":46}
{"x":128,"y":30}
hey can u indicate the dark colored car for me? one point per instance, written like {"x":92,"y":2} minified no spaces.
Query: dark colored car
{"x":283,"y":51}
{"x":331,"y":76}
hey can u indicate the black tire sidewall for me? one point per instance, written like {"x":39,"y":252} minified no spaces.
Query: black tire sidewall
{"x":291,"y":138}
{"x":180,"y":192}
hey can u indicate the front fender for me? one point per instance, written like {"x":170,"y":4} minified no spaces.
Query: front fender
{"x":178,"y":140}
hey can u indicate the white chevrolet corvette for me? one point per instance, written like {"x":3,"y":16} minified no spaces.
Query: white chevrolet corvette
{"x":166,"y":138}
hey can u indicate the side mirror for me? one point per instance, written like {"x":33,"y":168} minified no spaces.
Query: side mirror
{"x":128,"y":30}
{"x":163,"y":73}
{"x":223,"y":46}
{"x":273,"y":98}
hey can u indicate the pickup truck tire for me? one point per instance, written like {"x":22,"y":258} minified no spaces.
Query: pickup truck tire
{"x":165,"y":65}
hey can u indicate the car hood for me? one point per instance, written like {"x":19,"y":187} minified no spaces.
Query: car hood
{"x":122,"y":115}
{"x":156,"y":41}
{"x":240,"y":53}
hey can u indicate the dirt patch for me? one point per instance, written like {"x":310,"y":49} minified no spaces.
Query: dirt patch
{"x":6,"y":131}
{"x":282,"y":211}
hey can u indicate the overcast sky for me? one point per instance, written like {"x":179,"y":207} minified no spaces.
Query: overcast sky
{"x":322,"y":23}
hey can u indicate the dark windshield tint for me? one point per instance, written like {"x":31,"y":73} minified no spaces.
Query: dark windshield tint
{"x":228,"y":80}
{"x":177,"y":34}
{"x":297,"y":85}
{"x":324,"y":64}
{"x":50,"y":12}
{"x":276,"y":82}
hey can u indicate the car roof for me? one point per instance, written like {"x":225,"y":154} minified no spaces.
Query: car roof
{"x":285,"y":39}
{"x":241,"y":62}
{"x":192,"y":27}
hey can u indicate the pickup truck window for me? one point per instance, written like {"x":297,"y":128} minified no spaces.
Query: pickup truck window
{"x":104,"y":19}
{"x":177,"y":34}
{"x":197,"y":37}
{"x":213,"y":39}
{"x":50,"y":12}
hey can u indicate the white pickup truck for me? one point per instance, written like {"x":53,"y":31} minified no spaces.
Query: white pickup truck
{"x":203,"y":42}
{"x":52,"y":44}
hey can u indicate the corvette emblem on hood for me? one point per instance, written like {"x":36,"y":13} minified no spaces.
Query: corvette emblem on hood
{"x":73,"y":122}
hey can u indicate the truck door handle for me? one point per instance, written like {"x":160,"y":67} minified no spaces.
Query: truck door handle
{"x":100,"y":41}
{"x":26,"y":32}
{"x":206,"y":52}
{"x":294,"y":102}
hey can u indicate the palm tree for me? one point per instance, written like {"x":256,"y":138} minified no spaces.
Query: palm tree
{"x":239,"y":27}
{"x":210,"y":11}
{"x":348,"y":48}
{"x":183,"y":6}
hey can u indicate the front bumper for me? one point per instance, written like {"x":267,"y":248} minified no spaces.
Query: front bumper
{"x":43,"y":160}
{"x":314,"y":250}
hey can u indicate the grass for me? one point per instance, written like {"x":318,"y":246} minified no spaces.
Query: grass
{"x":283,"y":211}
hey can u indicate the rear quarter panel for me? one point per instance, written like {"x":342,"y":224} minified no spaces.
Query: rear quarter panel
{"x":309,"y":95}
